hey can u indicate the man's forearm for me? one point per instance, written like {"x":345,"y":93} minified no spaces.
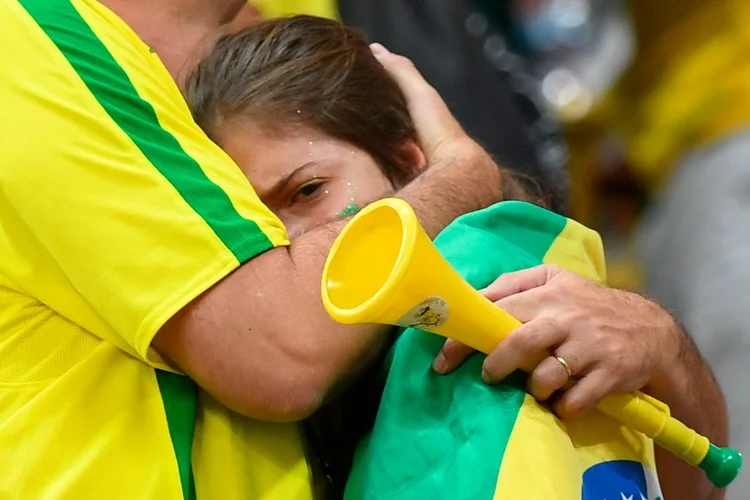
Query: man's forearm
{"x":446,"y":191}
{"x":694,"y":397}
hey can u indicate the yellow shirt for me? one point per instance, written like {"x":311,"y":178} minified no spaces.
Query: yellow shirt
{"x":690,"y":82}
{"x":276,"y":8}
{"x":115,"y":212}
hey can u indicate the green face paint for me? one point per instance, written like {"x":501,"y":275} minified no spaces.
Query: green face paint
{"x":351,"y":209}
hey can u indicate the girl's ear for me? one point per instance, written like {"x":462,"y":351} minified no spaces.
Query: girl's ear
{"x":412,"y":158}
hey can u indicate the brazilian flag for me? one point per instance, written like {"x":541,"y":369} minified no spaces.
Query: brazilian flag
{"x":454,"y":437}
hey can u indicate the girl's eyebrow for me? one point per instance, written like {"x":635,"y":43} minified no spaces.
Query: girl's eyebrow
{"x":282,"y":183}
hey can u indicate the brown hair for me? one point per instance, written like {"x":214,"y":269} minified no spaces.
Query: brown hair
{"x":304,"y":70}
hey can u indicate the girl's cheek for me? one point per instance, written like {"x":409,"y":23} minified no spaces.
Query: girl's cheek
{"x":336,"y":199}
{"x":349,"y":201}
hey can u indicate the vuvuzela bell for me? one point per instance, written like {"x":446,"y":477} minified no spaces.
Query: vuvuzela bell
{"x":384,"y":269}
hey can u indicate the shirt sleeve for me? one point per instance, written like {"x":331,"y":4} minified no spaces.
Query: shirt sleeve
{"x":115,"y":209}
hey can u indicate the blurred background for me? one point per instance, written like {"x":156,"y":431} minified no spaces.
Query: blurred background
{"x":630,"y":115}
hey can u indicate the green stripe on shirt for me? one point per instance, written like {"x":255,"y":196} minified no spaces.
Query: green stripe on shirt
{"x":180,"y":397}
{"x":112,"y":88}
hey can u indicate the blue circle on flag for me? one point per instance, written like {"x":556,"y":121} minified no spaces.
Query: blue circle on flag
{"x":616,"y":480}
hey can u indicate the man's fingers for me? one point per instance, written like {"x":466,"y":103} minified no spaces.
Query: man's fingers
{"x":451,"y":356}
{"x":524,"y":348}
{"x":433,"y":120}
{"x":550,"y":375}
{"x":401,"y":69}
{"x":525,"y":306}
{"x":519,"y":281}
{"x":584,"y":395}
{"x":378,"y":49}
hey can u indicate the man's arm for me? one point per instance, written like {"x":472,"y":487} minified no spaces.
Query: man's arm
{"x":691,"y":391}
{"x":261,"y":342}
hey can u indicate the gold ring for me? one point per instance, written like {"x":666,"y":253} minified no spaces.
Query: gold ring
{"x":565,"y":365}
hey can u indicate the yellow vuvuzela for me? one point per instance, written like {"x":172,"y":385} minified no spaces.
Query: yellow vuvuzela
{"x":384,"y":269}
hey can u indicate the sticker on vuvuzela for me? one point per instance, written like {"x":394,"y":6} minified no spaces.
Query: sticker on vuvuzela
{"x":428,"y":314}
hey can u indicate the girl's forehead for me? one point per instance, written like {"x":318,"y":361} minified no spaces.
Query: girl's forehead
{"x":267,"y":159}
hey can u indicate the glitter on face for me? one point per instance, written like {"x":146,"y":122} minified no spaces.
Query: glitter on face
{"x":351,"y":190}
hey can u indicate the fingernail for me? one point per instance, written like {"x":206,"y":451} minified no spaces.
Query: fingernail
{"x":440,"y":364}
{"x":378,"y":49}
{"x":485,"y":377}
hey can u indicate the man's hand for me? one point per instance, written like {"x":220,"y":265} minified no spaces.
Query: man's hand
{"x":444,"y":144}
{"x":613,"y":341}
{"x":440,"y":135}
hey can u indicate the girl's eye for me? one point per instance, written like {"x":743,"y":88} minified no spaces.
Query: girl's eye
{"x":308,"y":191}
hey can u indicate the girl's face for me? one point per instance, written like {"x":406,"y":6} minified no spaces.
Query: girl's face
{"x":305,"y":177}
